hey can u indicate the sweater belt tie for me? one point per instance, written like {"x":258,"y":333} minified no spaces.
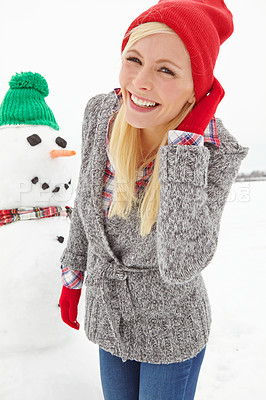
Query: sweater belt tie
{"x":112,"y":278}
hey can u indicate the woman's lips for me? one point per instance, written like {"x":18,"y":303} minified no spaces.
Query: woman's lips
{"x":141,"y":108}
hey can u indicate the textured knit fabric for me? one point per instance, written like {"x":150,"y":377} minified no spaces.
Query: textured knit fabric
{"x":202,"y":25}
{"x":70,"y":277}
{"x":24,"y":102}
{"x":27,"y":213}
{"x":145,"y":296}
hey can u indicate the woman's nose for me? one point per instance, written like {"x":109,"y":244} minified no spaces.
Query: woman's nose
{"x":143,"y":79}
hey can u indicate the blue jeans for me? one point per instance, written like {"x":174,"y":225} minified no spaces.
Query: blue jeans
{"x":133,"y":380}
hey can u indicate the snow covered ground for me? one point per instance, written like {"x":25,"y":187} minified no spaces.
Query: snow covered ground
{"x":233,"y":368}
{"x":234,"y":365}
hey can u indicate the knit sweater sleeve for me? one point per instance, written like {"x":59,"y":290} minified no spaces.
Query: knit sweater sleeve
{"x":195,"y":182}
{"x":74,"y":255}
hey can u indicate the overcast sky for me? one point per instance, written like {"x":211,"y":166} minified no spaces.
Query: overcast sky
{"x":75,"y":45}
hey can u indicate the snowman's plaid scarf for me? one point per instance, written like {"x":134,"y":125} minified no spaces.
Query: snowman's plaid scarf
{"x":26,"y":213}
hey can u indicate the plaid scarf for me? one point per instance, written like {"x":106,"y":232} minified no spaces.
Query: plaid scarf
{"x":26,"y":213}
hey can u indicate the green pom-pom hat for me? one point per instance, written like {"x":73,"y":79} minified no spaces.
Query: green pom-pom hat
{"x":24,"y":102}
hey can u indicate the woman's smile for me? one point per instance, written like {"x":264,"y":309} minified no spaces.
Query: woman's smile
{"x":140,"y":104}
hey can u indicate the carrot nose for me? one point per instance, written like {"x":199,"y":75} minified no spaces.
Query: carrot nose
{"x":62,"y":153}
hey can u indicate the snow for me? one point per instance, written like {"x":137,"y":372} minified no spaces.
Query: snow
{"x":30,"y":284}
{"x":30,"y":250}
{"x":233,"y":367}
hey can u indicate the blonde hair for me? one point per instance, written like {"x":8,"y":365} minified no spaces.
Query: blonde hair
{"x":125,"y":152}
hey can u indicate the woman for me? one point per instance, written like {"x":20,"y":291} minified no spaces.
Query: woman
{"x":155,"y":175}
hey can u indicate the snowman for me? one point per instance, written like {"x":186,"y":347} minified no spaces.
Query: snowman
{"x":36,"y":187}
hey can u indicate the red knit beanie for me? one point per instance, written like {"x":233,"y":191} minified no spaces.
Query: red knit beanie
{"x":203,"y":25}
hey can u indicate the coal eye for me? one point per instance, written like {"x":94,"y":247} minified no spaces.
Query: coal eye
{"x":61,"y":142}
{"x":34,"y":139}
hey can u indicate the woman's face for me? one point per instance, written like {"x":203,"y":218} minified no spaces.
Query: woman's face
{"x":156,"y":81}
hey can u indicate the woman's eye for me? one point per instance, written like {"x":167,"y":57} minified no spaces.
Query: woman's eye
{"x":134,"y":59}
{"x":167,"y":71}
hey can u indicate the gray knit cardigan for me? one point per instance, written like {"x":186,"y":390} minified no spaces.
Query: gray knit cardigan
{"x":145,"y":296}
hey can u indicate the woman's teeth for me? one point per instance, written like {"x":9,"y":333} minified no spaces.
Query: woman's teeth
{"x":142,"y":103}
